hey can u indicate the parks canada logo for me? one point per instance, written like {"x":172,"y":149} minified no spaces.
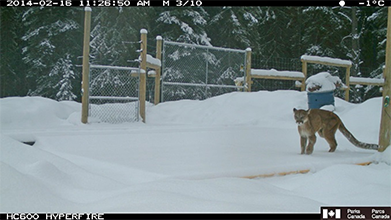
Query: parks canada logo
{"x":331,"y":213}
{"x":347,"y":213}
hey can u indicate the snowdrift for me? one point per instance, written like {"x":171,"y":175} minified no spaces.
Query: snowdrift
{"x":188,"y":157}
{"x":35,"y":112}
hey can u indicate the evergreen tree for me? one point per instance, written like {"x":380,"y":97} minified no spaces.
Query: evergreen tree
{"x":184,"y":25}
{"x":50,"y":40}
{"x":115,"y":34}
{"x":40,"y":46}
{"x":64,"y":69}
{"x":376,"y":24}
{"x":323,"y":32}
{"x":280,"y":29}
{"x":234,"y":27}
{"x":12,"y":69}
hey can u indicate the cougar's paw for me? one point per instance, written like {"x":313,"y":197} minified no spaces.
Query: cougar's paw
{"x":308,"y":152}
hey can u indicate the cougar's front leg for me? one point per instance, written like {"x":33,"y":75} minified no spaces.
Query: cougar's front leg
{"x":303,"y":143}
{"x":311,"y":143}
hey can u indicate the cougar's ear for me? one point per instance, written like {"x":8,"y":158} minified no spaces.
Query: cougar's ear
{"x":294,"y":109}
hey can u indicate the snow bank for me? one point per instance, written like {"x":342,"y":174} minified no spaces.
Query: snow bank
{"x":34,"y":112}
{"x":237,"y":108}
{"x":192,"y":162}
{"x":352,"y":183}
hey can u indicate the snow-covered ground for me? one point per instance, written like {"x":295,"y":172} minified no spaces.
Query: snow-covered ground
{"x":188,"y":157}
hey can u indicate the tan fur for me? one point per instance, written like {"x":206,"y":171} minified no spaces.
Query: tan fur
{"x":326,"y":124}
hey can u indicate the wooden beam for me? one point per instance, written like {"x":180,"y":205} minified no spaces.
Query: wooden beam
{"x":86,"y":65}
{"x":248,"y":69}
{"x":304,"y":71}
{"x":143,"y":80}
{"x":159,"y":41}
{"x":385,"y":123}
{"x":347,"y":83}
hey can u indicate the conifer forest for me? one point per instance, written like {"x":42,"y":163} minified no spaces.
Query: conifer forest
{"x":41,"y":48}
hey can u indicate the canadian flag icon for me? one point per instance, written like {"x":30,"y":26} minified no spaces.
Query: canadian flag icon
{"x":331,"y":213}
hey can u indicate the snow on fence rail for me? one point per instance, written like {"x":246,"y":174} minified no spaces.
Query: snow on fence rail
{"x":204,"y":85}
{"x":301,"y":77}
{"x":152,"y":62}
{"x":127,"y":98}
{"x":326,"y":61}
{"x":114,"y":67}
{"x":367,"y":81}
{"x":277,"y":75}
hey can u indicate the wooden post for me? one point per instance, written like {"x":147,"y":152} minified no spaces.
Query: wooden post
{"x":248,"y":69}
{"x":347,"y":83}
{"x":86,"y":64}
{"x":304,"y":70}
{"x":143,"y":73}
{"x":385,"y":123}
{"x":159,"y":41}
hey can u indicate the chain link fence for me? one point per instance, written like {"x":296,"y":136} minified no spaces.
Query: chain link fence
{"x":281,"y":64}
{"x":200,"y":72}
{"x":113,"y":94}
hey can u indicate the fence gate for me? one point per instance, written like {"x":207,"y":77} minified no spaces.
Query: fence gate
{"x":113,"y":94}
{"x":199,"y":72}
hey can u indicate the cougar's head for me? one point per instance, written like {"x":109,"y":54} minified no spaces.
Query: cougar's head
{"x":301,"y":116}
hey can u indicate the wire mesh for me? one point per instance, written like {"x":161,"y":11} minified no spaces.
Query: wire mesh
{"x":281,"y":64}
{"x":113,"y":94}
{"x":199,"y":72}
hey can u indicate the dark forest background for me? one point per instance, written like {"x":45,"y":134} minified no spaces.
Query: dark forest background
{"x":41,"y":48}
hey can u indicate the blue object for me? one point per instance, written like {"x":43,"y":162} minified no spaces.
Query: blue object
{"x":319,"y":99}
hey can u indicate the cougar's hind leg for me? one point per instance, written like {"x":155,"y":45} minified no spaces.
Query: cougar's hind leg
{"x":330,"y":138}
{"x":332,"y":143}
{"x":311,"y":143}
{"x":320,"y":132}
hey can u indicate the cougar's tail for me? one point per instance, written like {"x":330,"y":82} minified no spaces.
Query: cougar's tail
{"x":354,"y":141}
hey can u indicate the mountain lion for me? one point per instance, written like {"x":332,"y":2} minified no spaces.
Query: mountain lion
{"x":326,"y":124}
